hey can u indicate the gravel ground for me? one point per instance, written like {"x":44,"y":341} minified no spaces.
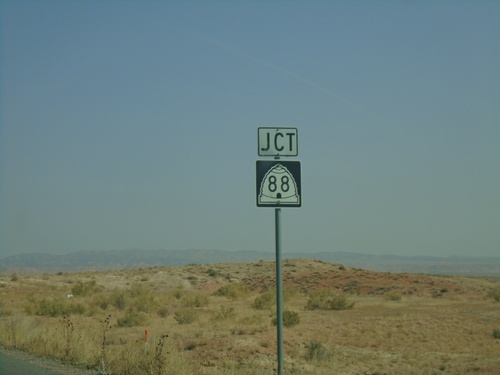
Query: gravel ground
{"x":47,"y":363}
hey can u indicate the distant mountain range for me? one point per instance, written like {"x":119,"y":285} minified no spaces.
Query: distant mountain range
{"x":124,"y":259}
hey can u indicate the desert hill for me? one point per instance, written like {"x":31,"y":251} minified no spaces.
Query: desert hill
{"x":38,"y":263}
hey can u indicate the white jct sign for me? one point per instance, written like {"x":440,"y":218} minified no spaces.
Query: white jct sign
{"x":278,"y":142}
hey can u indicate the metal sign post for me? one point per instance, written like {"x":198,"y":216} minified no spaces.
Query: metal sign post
{"x":278,"y":185}
{"x":279,"y":289}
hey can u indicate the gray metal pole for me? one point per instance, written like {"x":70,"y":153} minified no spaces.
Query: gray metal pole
{"x":279,"y":293}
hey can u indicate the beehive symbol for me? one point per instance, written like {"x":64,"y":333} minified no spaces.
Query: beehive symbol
{"x":278,"y":186}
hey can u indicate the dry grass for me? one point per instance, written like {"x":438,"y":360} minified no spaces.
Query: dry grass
{"x":399,"y":323}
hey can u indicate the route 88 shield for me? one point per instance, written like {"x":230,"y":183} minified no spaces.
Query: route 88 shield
{"x":278,"y":183}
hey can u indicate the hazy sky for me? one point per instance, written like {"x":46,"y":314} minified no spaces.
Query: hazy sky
{"x":133,"y":124}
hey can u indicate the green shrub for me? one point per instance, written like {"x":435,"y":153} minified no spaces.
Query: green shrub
{"x":178,"y":293}
{"x":496,"y":333}
{"x":326,"y":299}
{"x":186,"y":316}
{"x":144,"y":303}
{"x":50,"y":308}
{"x":118,"y":300}
{"x":290,"y":319}
{"x":84,"y":289}
{"x":264,"y":301}
{"x":251,"y":320}
{"x":163,"y":312}
{"x":131,"y":320}
{"x":57,"y":308}
{"x":267,"y":299}
{"x":137,"y":290}
{"x":317,"y":352}
{"x":194,"y":300}
{"x":100,"y":301}
{"x":76,"y":308}
{"x":211,"y":272}
{"x":393,"y":295}
{"x":225,"y":313}
{"x":233,"y":291}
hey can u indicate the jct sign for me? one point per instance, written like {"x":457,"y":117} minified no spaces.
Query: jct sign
{"x":278,"y":142}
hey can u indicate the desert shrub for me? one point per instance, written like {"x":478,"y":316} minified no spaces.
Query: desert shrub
{"x":14,"y":277}
{"x":194,"y":300}
{"x":76,"y":308}
{"x":496,"y":333}
{"x":137,"y":290}
{"x":225,"y":313}
{"x":251,"y":320}
{"x":131,"y":320}
{"x":84,"y":289}
{"x":100,"y":301}
{"x":326,"y":299}
{"x":186,"y":316}
{"x":290,"y":292}
{"x":317,"y":352}
{"x":144,"y":303}
{"x":393,"y":295}
{"x":233,"y":291}
{"x":290,"y":319}
{"x":51,"y":308}
{"x":163,"y":312}
{"x":178,"y":293}
{"x":495,"y":294}
{"x":436,"y":294}
{"x":211,"y":272}
{"x":58,"y":308}
{"x":264,"y":301}
{"x":267,"y":299}
{"x":118,"y":300}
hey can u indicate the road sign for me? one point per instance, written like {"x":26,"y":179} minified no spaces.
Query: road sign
{"x":278,"y":141}
{"x":278,"y":183}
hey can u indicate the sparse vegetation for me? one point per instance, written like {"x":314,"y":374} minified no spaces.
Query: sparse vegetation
{"x":326,"y":299}
{"x":186,"y":315}
{"x":55,"y":308}
{"x":194,"y":300}
{"x":163,"y":312}
{"x":394,"y":295}
{"x":219,"y":320}
{"x":233,"y":291}
{"x":225,"y":313}
{"x":212,"y":272}
{"x":131,"y":320}
{"x":118,"y":300}
{"x":265,"y":300}
{"x":317,"y":352}
{"x":84,"y":288}
{"x":290,"y":319}
{"x":495,"y":294}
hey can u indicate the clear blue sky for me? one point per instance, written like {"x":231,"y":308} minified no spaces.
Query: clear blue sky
{"x":133,"y":124}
